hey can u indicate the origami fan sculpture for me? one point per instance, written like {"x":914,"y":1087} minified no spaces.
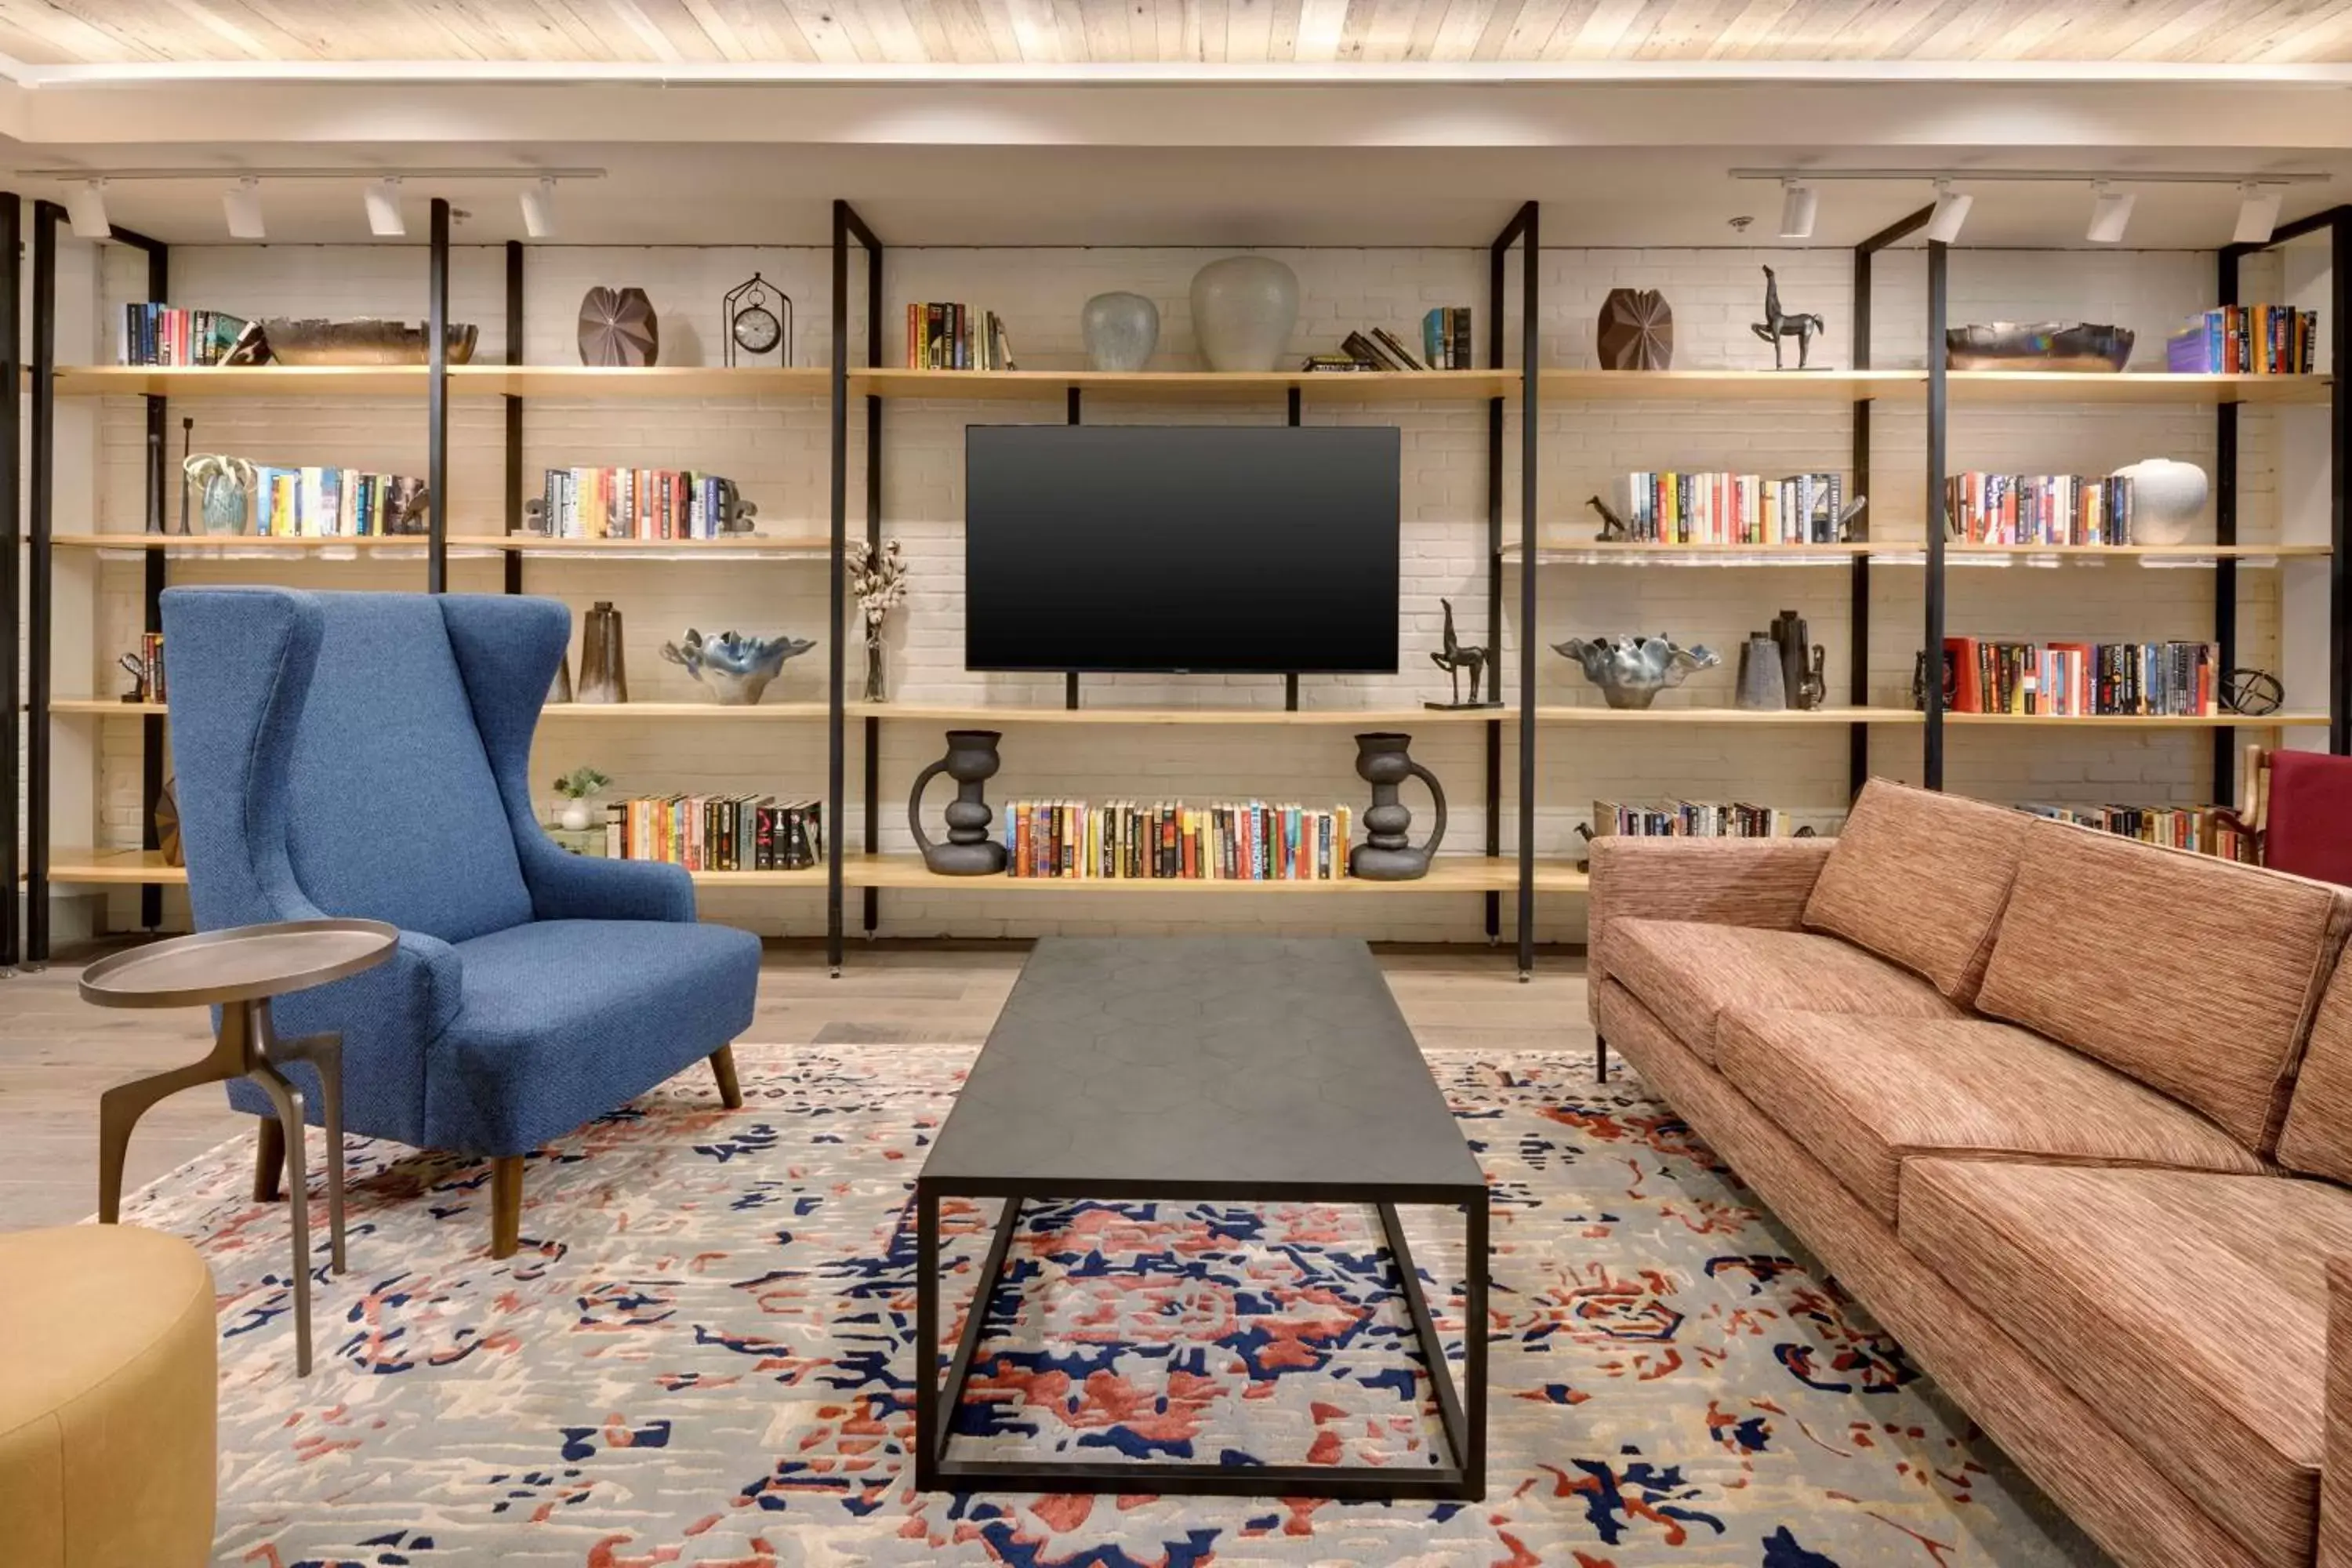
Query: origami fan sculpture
{"x":1636,"y":330}
{"x":618,"y":327}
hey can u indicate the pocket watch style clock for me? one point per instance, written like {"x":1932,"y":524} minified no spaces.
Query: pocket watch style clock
{"x":759,"y":318}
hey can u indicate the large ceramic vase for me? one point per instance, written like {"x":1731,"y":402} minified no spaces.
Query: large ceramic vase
{"x":1243,"y":310}
{"x":603,"y":674}
{"x":971,"y":761}
{"x":1120,"y":330}
{"x":2167,"y":500}
{"x":1387,"y":853}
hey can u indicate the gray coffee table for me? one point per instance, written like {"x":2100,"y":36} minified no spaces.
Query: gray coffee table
{"x":1221,"y":1069}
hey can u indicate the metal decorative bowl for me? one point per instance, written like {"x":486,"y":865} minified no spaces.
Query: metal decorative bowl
{"x":366,"y":340}
{"x":2038,"y":345}
{"x":735,"y":669}
{"x":1631,"y":672}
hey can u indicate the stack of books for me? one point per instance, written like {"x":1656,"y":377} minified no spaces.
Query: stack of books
{"x":2202,"y":829}
{"x":637,"y":503}
{"x":156,"y":334}
{"x":327,"y":503}
{"x":2176,"y":680}
{"x":1445,"y":346}
{"x":2245,"y":339}
{"x":956,"y":337}
{"x":717,"y":832}
{"x":1731,"y":509}
{"x":150,"y":667}
{"x":1690,"y":819}
{"x":2038,"y":509}
{"x":1241,"y":841}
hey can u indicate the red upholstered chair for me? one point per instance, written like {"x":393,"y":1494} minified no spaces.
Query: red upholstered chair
{"x":2300,"y":805}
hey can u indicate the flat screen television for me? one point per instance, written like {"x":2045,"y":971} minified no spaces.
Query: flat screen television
{"x":1205,"y":550}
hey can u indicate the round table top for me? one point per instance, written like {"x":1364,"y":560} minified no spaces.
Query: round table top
{"x":242,"y":964}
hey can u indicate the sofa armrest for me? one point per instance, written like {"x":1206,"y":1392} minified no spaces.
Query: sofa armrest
{"x":1720,"y":881}
{"x":567,"y":887}
{"x":2336,"y":1456}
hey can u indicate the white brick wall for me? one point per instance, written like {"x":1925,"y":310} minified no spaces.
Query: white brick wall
{"x":778,"y":453}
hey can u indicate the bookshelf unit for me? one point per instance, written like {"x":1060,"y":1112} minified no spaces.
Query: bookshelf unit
{"x":1511,"y":863}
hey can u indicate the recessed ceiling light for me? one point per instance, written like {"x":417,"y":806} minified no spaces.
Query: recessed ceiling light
{"x":242,"y":204}
{"x":384,"y":209}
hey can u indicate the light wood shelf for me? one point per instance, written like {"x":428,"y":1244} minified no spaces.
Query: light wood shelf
{"x":2132,"y":386}
{"x":553,"y":712}
{"x":1899,"y":552}
{"x":1596,"y":714}
{"x":105,"y":708}
{"x":1447,"y":874}
{"x":1958,"y":556}
{"x":732,"y":547}
{"x":732,"y":544}
{"x":2143,"y":720}
{"x":619,"y":384}
{"x":1190,"y":387}
{"x":221,"y":545}
{"x":1632,"y":553}
{"x":1364,"y":717}
{"x":1591,"y":384}
{"x":80,"y":864}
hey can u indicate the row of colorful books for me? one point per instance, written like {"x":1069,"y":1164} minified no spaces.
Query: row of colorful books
{"x":1690,"y":819}
{"x":1234,"y":841}
{"x":717,"y":832}
{"x":2204,"y":829}
{"x":2178,"y":679}
{"x":1731,"y":509}
{"x":2245,"y":339}
{"x":636,"y":503}
{"x":956,"y":337}
{"x":158,"y":334}
{"x":2038,"y":509}
{"x":323,"y":503}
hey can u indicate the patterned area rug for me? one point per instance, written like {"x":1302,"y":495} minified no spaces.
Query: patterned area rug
{"x":704,"y":1355}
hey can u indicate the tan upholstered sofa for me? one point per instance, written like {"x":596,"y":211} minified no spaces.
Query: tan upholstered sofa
{"x":2068,"y":1114}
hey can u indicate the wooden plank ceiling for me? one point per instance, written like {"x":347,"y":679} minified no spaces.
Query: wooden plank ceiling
{"x":974,"y":32}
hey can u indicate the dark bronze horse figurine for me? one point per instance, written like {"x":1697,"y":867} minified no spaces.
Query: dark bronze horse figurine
{"x":1776,"y":326}
{"x":1454,"y":658}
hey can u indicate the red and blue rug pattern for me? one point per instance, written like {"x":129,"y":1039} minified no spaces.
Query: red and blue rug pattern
{"x":704,"y":1354}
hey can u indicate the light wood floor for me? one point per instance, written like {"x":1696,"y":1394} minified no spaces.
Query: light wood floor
{"x":58,"y":1052}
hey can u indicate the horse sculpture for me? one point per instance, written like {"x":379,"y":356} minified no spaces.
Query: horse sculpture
{"x":1776,"y":326}
{"x":1454,"y":658}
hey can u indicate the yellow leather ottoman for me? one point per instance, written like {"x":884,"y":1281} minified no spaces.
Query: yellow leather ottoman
{"x":108,"y":1358}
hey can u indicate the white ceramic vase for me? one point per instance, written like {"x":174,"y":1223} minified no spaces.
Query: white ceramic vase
{"x":1120,"y":330}
{"x":2167,"y":499}
{"x":575,"y":817}
{"x":1243,"y":310}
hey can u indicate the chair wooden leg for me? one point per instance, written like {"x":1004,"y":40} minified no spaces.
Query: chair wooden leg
{"x":269,"y":1160}
{"x":722,"y":1065}
{"x":506,"y":1204}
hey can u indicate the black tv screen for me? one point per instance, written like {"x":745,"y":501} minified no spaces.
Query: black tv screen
{"x":1183,"y":549}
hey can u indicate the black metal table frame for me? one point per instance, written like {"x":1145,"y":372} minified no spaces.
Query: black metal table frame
{"x":1462,"y":1415}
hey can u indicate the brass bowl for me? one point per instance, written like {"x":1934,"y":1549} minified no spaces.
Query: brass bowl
{"x":366,"y":340}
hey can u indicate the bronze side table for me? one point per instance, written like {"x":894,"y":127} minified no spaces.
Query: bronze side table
{"x":238,"y":971}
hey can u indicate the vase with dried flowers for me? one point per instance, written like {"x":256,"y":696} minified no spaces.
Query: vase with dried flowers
{"x":879,"y":578}
{"x":578,"y":787}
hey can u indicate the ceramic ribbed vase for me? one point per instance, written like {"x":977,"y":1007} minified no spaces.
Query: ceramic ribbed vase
{"x":1243,"y":310}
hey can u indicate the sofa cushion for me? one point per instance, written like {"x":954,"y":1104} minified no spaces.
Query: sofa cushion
{"x":2190,"y":1310}
{"x":2317,"y":1136}
{"x":564,"y":1020}
{"x":2196,"y":976}
{"x":1920,"y":877}
{"x":1689,"y":972}
{"x":1864,"y":1095}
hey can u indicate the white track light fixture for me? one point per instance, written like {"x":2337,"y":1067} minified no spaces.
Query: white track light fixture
{"x":242,"y":205}
{"x":2111,"y":213}
{"x":538,"y":210}
{"x":1797,"y":204}
{"x":2258,"y":210}
{"x":384,"y":209}
{"x":1951,"y":212}
{"x":87,"y":207}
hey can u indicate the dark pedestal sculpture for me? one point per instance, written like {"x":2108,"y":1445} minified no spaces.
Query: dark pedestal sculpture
{"x":971,"y":761}
{"x":1384,"y":761}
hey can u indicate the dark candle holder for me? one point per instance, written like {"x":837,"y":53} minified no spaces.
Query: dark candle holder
{"x":971,"y":761}
{"x":1387,"y":855}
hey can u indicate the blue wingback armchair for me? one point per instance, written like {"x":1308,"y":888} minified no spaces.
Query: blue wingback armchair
{"x":365,"y":754}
